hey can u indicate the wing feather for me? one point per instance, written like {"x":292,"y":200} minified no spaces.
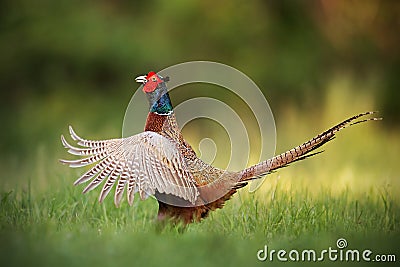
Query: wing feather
{"x":119,"y":191}
{"x":85,"y":161}
{"x":144,"y":163}
{"x":110,"y":181}
{"x":81,"y":151}
{"x":132,"y":186}
{"x":93,"y":171}
{"x":101,"y":176}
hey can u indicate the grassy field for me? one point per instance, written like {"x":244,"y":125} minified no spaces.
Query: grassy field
{"x":350,"y":191}
{"x":65,"y":229}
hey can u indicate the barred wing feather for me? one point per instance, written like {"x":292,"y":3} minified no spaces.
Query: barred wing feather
{"x":142,"y":163}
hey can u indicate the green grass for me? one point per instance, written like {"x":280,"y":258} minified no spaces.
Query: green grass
{"x":68,"y":229}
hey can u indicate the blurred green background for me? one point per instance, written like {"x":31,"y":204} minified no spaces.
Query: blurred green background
{"x":74,"y":61}
{"x":317,"y":62}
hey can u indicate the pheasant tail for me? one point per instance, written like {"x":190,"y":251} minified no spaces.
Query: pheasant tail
{"x":302,"y":151}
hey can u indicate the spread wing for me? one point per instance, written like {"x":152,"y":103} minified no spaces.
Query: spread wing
{"x":143,"y":163}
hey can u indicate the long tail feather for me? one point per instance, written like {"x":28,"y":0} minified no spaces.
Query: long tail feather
{"x":302,"y":151}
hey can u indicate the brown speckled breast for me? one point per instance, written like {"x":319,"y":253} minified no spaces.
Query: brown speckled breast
{"x":166,"y":126}
{"x":155,"y":122}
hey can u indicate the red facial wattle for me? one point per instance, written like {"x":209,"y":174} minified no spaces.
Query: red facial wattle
{"x":150,"y":74}
{"x":152,"y":82}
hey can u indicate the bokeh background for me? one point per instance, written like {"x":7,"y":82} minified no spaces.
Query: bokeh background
{"x":317,"y":62}
{"x":70,"y":62}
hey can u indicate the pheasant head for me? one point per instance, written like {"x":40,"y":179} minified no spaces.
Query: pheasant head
{"x":155,"y":88}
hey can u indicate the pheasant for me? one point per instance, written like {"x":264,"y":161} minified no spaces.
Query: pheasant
{"x":159,"y":162}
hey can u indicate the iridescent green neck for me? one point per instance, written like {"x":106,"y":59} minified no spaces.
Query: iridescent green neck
{"x":162,"y":106}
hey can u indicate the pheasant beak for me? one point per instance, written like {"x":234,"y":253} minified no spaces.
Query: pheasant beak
{"x":141,"y":79}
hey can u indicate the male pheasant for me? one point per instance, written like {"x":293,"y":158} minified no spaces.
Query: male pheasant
{"x":160,"y":162}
